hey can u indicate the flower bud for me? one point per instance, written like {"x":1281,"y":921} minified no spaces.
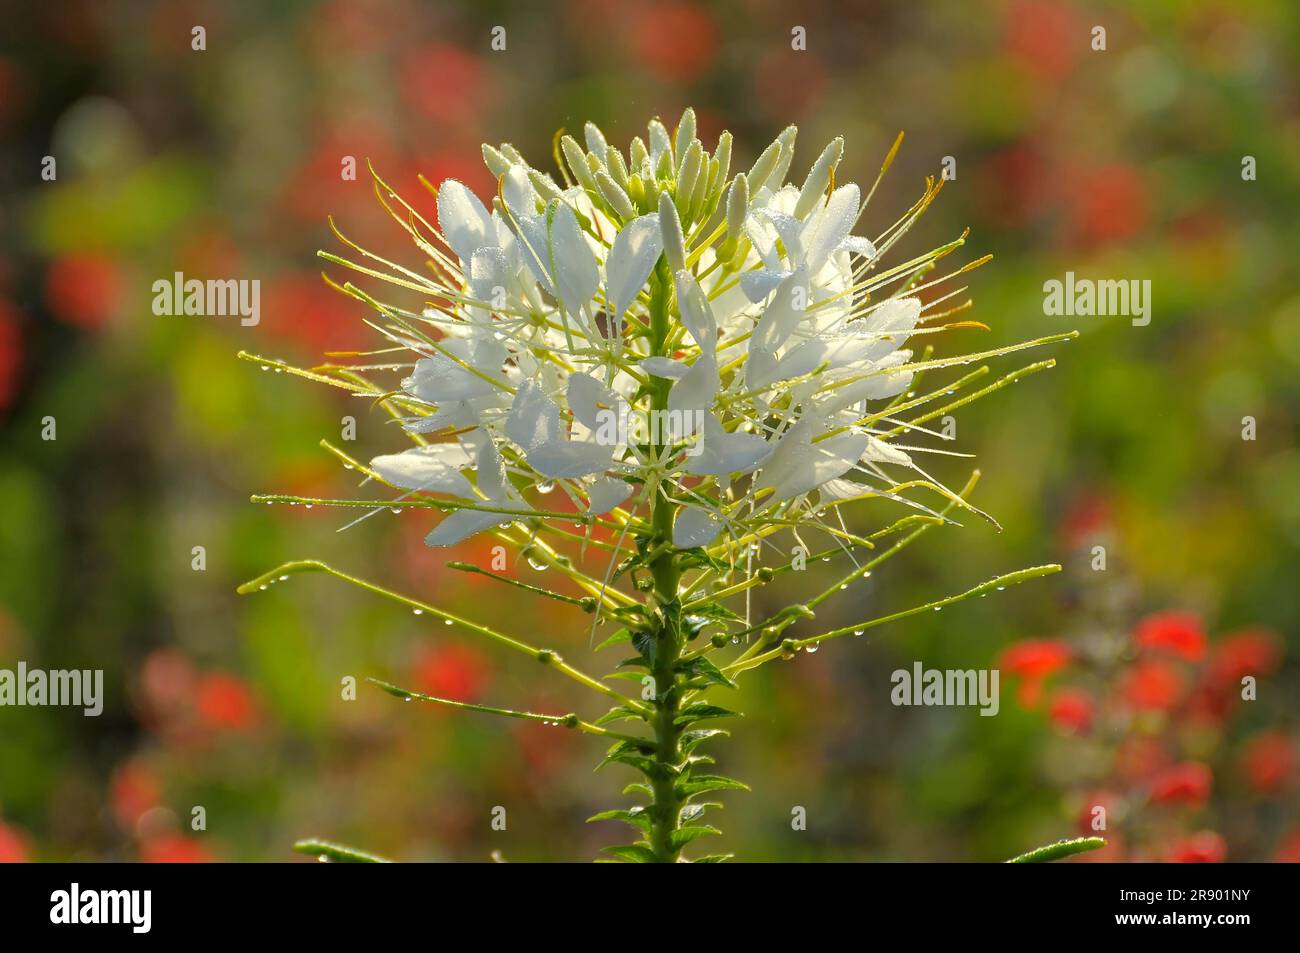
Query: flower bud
{"x":671,"y":227}
{"x":818,"y":177}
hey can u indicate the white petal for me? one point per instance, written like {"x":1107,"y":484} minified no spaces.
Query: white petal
{"x":461,"y":525}
{"x":576,"y":275}
{"x":891,"y":323}
{"x":534,"y":418}
{"x":565,"y":459}
{"x":490,"y":471}
{"x":721,"y":453}
{"x":605,"y":494}
{"x":435,"y":468}
{"x":696,"y":313}
{"x":665,"y":367}
{"x":463,"y":220}
{"x":631,"y":259}
{"x":695,"y":526}
{"x":783,"y":314}
{"x":830,"y":226}
{"x":880,"y":452}
{"x":799,"y":465}
{"x":586,"y":395}
{"x":757,"y":285}
{"x":698,"y":389}
{"x":518,"y":192}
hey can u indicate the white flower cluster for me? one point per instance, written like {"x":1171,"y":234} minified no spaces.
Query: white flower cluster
{"x":741,"y":307}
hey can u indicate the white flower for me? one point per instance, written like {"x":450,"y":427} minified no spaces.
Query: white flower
{"x":651,"y":283}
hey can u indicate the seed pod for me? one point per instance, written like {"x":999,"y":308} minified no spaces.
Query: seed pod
{"x":685,"y":135}
{"x":615,"y":196}
{"x":497,"y":164}
{"x":671,"y":227}
{"x":818,"y":177}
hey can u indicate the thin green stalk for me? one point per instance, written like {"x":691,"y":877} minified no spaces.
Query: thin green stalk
{"x":666,"y":810}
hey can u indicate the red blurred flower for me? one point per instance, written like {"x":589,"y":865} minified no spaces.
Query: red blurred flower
{"x":450,"y":671}
{"x":175,"y":849}
{"x":1203,"y":847}
{"x":1071,"y":710}
{"x":1110,"y":204}
{"x":1035,"y":658}
{"x":676,"y":41}
{"x":1137,"y":757}
{"x":1153,"y":685}
{"x":132,"y":791}
{"x":1186,"y":783}
{"x":789,"y":82}
{"x":14,"y":845}
{"x":1268,"y":761}
{"x":445,"y":83}
{"x":1288,"y":851}
{"x":1248,"y":652}
{"x":11,"y":353}
{"x":83,"y":289}
{"x":1088,"y":516}
{"x":224,"y":701}
{"x":1045,"y":36}
{"x":1175,"y":633}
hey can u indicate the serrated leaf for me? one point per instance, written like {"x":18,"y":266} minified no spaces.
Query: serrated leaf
{"x":700,"y":667}
{"x":690,"y":740}
{"x":617,"y":713}
{"x":632,"y":853}
{"x":693,"y":812}
{"x":698,"y":711}
{"x":715,"y":610}
{"x":636,"y":816}
{"x":618,"y":638}
{"x":684,"y":835}
{"x":708,"y":782}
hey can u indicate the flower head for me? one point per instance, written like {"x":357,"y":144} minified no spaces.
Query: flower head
{"x":654,"y":324}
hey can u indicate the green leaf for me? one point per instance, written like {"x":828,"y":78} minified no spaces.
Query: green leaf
{"x":684,"y":835}
{"x":713,"y":859}
{"x":337,"y":853}
{"x":637,"y":787}
{"x":715,"y":610}
{"x":708,"y":782}
{"x":618,"y":638}
{"x":701,"y":668}
{"x":693,"y":812}
{"x":698,"y":711}
{"x":690,"y":740}
{"x":636,"y":816}
{"x":617,"y":713}
{"x":1062,"y":848}
{"x":632,"y":853}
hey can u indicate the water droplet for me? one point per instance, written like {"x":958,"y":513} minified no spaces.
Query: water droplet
{"x":284,"y":577}
{"x":937,"y":608}
{"x":394,"y":509}
{"x":859,"y":631}
{"x":406,"y":698}
{"x":309,"y":505}
{"x":262,"y":587}
{"x":545,"y":487}
{"x":844,"y":585}
{"x":417,"y":612}
{"x":811,"y":648}
{"x":446,"y":622}
{"x":347,"y":466}
{"x":265,"y":368}
{"x":1001,"y":588}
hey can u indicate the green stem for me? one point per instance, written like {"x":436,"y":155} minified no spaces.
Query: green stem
{"x":666,"y":810}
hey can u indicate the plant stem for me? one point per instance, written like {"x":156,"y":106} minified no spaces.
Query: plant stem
{"x":666,"y":810}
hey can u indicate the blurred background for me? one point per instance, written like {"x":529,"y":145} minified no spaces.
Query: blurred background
{"x":1120,"y":687}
